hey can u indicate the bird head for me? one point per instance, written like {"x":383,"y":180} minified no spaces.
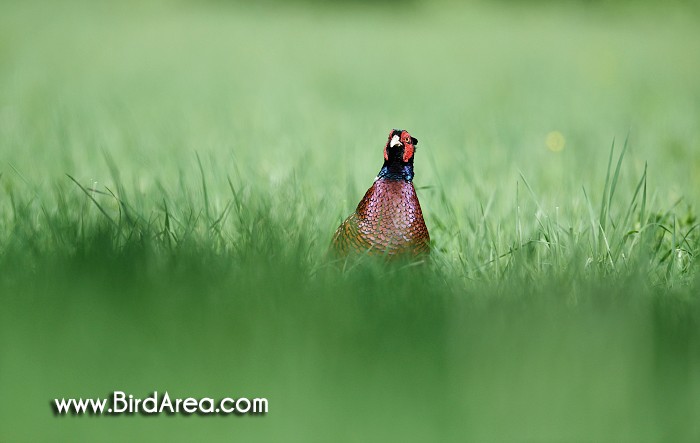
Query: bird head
{"x":400,"y":146}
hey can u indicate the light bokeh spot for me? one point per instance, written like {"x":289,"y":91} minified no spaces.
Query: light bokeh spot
{"x":555,"y":141}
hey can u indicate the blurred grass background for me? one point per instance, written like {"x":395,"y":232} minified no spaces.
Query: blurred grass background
{"x":218,"y":146}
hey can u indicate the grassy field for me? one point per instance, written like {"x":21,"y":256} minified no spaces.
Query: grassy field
{"x":172,"y":174}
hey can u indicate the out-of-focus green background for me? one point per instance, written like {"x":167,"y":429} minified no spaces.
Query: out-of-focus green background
{"x":215,"y":146}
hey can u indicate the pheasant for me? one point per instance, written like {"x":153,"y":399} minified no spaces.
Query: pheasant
{"x":388,"y":219}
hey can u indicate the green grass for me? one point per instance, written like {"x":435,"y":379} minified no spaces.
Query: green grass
{"x":172,"y":174}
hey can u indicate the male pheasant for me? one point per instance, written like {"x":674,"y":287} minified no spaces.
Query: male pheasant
{"x":389,"y":219}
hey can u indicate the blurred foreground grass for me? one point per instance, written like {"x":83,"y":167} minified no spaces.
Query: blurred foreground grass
{"x":215,"y":149}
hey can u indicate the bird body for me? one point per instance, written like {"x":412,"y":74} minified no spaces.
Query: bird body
{"x":389,"y":219}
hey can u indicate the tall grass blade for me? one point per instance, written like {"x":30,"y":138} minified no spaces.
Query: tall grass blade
{"x":632,"y":205}
{"x":642,"y":212}
{"x":532,"y":193}
{"x":594,"y":225}
{"x":518,"y":227}
{"x":116,"y":177}
{"x":204,"y":187}
{"x":89,"y":194}
{"x":603,"y":203}
{"x":613,"y":186}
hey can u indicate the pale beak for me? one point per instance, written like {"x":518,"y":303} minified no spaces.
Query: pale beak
{"x":394,"y":141}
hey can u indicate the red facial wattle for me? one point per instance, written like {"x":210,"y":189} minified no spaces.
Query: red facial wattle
{"x":408,"y":147}
{"x":407,"y":152}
